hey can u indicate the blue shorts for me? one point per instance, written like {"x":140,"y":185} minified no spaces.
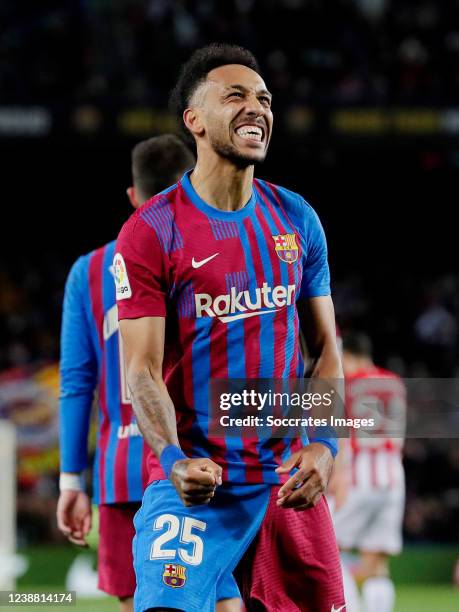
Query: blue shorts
{"x":184,"y":556}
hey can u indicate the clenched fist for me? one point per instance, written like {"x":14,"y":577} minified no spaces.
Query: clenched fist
{"x":196,"y":480}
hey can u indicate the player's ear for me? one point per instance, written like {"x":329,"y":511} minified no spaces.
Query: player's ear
{"x":193,"y":122}
{"x":132,"y":197}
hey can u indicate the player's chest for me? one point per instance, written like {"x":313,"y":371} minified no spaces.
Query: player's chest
{"x":226,"y":268}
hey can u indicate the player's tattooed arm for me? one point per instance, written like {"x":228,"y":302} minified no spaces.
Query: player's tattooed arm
{"x":154,"y":410}
{"x":144,"y":349}
{"x":194,"y":479}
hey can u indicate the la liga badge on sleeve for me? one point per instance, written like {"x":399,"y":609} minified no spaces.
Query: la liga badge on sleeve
{"x":174,"y":575}
{"x":123,"y":287}
{"x":286,"y":247}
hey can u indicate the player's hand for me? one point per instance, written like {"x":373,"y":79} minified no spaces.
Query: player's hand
{"x":305,"y":488}
{"x":74,"y":516}
{"x":196,"y":480}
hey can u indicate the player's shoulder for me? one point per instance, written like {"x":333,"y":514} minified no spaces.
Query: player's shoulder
{"x":155,"y":217}
{"x":281,"y":196}
{"x":373,"y":371}
{"x":385,"y":373}
{"x":386,"y":379}
{"x":105,"y":251}
{"x":101,"y":251}
{"x":390,"y":382}
{"x":158,"y":209}
{"x":298,"y":210}
{"x":80,"y":267}
{"x":391,"y":378}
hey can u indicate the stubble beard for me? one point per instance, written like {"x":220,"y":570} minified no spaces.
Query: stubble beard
{"x":231,"y":153}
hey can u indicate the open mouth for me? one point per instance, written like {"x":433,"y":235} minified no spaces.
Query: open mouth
{"x":254,"y":133}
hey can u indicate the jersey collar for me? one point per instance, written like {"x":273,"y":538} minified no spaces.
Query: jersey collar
{"x":211,"y":211}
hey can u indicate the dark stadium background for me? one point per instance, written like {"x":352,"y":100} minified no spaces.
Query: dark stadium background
{"x":366,"y":128}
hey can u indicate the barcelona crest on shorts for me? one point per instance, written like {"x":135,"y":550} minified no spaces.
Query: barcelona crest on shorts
{"x":174,"y":575}
{"x":286,"y":247}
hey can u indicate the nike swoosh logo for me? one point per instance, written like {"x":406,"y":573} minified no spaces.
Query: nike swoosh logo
{"x":198,"y":264}
{"x":337,"y":609}
{"x":247,"y":315}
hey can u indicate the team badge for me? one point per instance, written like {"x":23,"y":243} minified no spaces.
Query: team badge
{"x":123,"y":287}
{"x":286,"y":247}
{"x":174,"y":575}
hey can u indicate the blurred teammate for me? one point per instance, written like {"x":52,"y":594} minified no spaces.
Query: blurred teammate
{"x":215,"y":276}
{"x":92,"y":357}
{"x":370,"y":518}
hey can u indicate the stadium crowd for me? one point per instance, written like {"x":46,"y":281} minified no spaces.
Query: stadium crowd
{"x":345,"y":51}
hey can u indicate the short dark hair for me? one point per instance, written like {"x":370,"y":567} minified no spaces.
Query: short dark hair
{"x":157,"y":162}
{"x":357,"y":343}
{"x":196,"y":69}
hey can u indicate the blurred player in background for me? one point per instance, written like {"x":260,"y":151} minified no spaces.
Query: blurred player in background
{"x":235,"y":266}
{"x":92,"y":357}
{"x":369,"y":519}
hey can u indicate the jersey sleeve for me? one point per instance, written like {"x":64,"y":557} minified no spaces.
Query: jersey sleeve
{"x":141,"y":271}
{"x":78,"y":372}
{"x":316,"y":273}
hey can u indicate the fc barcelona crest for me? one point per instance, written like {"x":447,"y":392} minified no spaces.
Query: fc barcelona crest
{"x":286,"y":247}
{"x":174,"y":575}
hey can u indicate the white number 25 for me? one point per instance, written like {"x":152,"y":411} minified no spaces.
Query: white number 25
{"x":172,"y":523}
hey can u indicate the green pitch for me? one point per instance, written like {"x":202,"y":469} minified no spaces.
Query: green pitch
{"x":417,"y":598}
{"x":421,"y":574}
{"x":410,"y":598}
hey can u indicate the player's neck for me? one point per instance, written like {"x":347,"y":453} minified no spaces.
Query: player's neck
{"x":223,"y":185}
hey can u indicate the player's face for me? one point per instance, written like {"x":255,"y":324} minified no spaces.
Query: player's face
{"x":236,"y":112}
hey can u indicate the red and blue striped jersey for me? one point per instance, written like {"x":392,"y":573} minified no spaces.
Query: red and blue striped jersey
{"x":376,"y":460}
{"x":91,"y":359}
{"x":227,"y":283}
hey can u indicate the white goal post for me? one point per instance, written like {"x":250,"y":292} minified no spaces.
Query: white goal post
{"x":7,"y":504}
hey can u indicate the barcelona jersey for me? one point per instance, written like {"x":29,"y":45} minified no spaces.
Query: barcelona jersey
{"x":92,"y":359}
{"x":227,"y":283}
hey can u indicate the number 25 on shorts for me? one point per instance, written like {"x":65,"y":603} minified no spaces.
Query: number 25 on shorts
{"x":174,"y":525}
